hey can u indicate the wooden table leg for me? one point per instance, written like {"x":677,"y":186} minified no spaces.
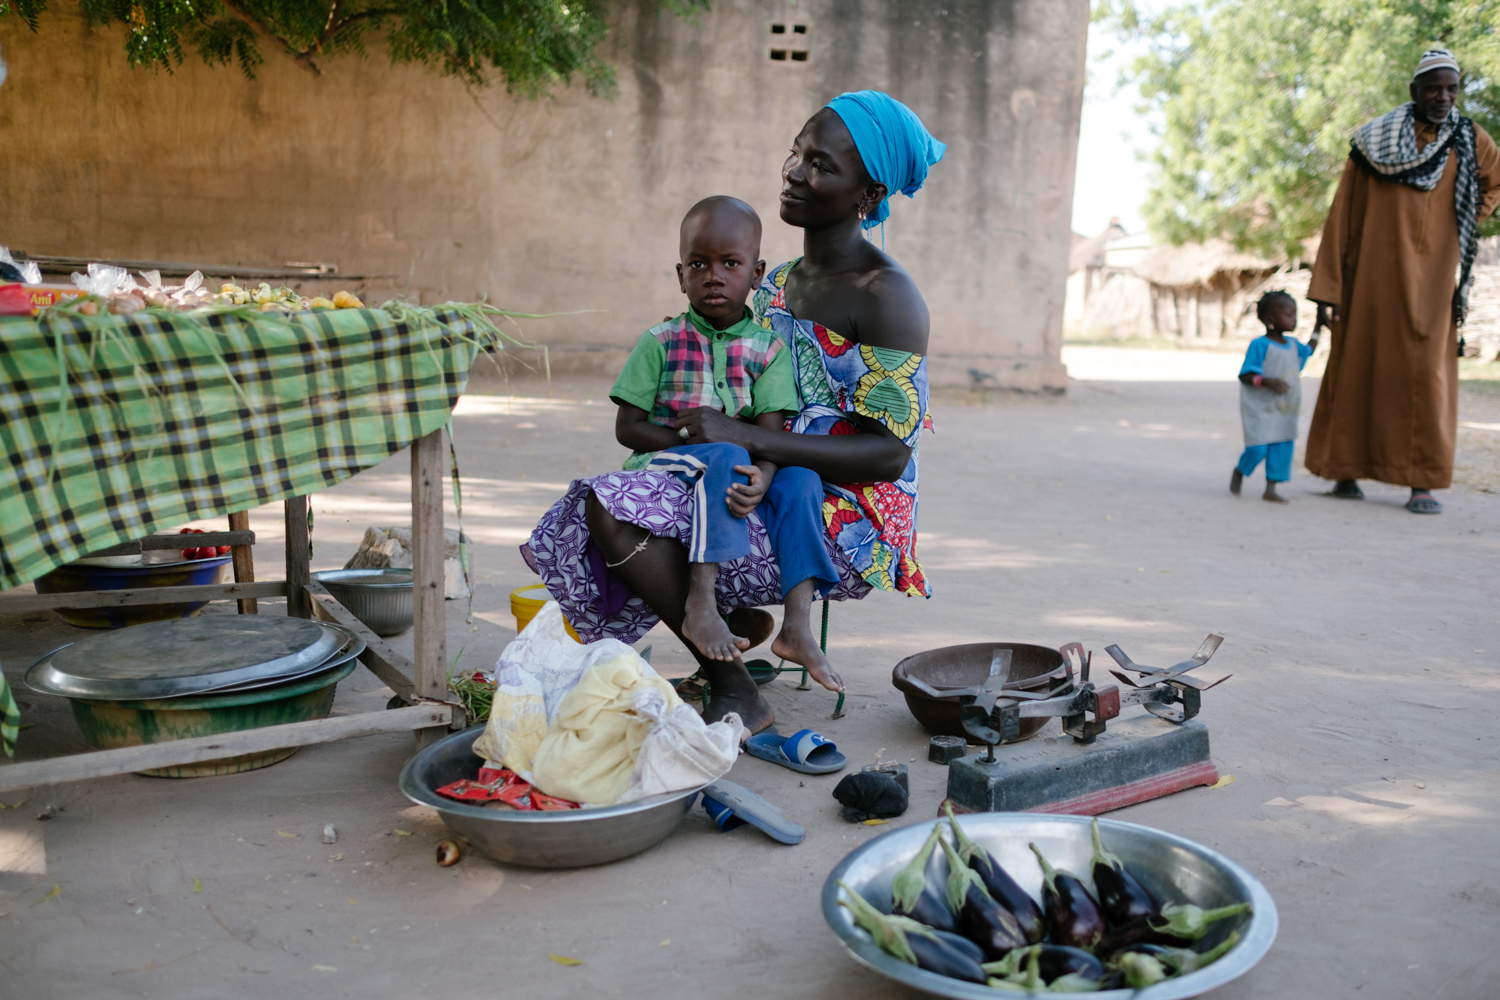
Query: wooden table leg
{"x":244,"y":561}
{"x":298,"y":558}
{"x":427,"y":544}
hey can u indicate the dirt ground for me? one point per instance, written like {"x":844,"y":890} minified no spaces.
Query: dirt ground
{"x":1366,"y":789}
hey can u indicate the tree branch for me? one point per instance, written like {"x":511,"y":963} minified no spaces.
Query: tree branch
{"x":363,"y":15}
{"x":303,"y":59}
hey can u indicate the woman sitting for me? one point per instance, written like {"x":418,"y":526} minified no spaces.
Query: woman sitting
{"x":610,"y":552}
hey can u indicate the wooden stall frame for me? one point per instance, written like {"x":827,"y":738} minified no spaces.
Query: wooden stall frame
{"x":421,"y":685}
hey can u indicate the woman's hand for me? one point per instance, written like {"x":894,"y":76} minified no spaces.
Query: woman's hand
{"x":706,"y":426}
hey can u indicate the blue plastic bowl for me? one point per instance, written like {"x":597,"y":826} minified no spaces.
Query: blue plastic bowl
{"x":74,"y":577}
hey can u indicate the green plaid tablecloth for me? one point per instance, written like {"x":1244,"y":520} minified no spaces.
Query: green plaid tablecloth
{"x":167,"y":418}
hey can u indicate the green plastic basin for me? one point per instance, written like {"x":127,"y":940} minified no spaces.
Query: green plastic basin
{"x":110,"y":724}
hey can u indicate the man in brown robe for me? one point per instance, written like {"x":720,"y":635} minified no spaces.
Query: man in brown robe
{"x":1385,"y":285}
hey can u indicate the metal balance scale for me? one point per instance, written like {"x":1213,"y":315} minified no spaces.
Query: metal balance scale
{"x":1102,"y":767}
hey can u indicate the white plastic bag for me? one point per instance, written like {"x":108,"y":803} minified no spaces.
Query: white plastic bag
{"x":533,"y":675}
{"x":681,"y":751}
{"x":105,"y":280}
{"x":31,"y":274}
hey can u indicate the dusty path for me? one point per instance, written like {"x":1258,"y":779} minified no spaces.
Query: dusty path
{"x":1363,"y":642}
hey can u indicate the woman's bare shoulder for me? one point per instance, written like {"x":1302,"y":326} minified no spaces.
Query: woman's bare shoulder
{"x":890,"y":311}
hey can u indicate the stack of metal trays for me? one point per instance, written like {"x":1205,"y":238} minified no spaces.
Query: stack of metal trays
{"x":193,"y":656}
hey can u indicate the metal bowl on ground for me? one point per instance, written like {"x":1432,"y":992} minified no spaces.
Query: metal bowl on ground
{"x":575,"y":838}
{"x":110,"y":724}
{"x":381,"y":598}
{"x":1174,"y":869}
{"x":1032,"y":668}
{"x":78,"y":577}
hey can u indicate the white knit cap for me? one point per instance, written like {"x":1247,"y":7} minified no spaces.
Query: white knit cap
{"x":1435,"y":59}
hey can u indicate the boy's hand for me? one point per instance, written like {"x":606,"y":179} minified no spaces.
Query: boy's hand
{"x":1276,"y":385}
{"x":742,"y":499}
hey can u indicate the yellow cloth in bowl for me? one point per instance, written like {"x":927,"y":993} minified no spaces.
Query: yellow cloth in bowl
{"x":590,"y":749}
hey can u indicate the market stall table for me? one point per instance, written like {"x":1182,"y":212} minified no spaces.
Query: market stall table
{"x":113,"y":427}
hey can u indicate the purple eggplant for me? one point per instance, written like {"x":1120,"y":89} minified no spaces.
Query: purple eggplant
{"x":980,"y":918}
{"x":961,"y":943}
{"x":1002,"y":888}
{"x":1060,"y":960}
{"x":1148,"y":964}
{"x":1121,"y":895}
{"x":911,"y":942}
{"x":912,"y":896}
{"x":1071,"y":913}
{"x":1080,"y":971}
{"x":1177,"y":925}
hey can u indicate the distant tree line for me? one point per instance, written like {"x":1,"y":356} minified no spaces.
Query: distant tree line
{"x":1257,"y":100}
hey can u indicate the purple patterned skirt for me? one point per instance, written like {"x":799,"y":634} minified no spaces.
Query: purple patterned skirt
{"x":559,"y":552}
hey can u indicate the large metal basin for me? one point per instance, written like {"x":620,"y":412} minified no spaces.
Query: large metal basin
{"x":1032,"y":668}
{"x":573,"y":839}
{"x":1173,"y":868}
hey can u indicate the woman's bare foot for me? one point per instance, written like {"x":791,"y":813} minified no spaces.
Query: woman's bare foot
{"x":1270,"y":495}
{"x":798,"y":646}
{"x":753,"y":624}
{"x":701,"y":624}
{"x":732,"y":689}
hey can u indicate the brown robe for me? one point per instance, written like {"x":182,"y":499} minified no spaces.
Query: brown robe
{"x":1388,"y":406}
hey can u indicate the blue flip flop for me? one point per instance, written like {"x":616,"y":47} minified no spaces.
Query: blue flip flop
{"x":805,"y":751}
{"x":731,"y":806}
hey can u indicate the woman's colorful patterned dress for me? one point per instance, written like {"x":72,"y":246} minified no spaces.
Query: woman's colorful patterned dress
{"x":872,"y":526}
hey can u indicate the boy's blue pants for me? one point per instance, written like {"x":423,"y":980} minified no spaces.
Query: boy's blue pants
{"x":791,"y":510}
{"x":1278,"y":459}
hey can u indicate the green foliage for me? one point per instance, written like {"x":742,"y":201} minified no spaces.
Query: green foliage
{"x":1258,"y":98}
{"x":531,"y":45}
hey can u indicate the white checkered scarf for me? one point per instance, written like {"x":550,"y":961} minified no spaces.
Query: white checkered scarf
{"x":1386,"y":147}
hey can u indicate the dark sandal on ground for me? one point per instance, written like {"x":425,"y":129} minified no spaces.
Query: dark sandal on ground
{"x":1236,"y":481}
{"x":1424,"y":503}
{"x":1347,"y":489}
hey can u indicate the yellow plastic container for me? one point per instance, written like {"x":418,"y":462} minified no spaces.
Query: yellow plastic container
{"x":525,"y":608}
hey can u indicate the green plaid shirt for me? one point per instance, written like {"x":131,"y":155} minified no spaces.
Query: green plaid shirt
{"x":115,"y":427}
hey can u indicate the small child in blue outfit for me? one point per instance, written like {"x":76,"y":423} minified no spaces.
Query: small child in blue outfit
{"x":1271,"y":394}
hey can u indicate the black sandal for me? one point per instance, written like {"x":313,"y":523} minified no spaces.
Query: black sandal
{"x":1347,"y":489}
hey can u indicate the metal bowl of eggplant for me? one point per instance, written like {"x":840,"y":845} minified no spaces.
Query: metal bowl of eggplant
{"x":576,"y":838}
{"x":1174,"y":925}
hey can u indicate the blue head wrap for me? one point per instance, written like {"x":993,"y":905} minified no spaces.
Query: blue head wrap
{"x":896,"y":148}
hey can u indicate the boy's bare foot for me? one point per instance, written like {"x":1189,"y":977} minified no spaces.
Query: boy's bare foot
{"x":701,"y":624}
{"x":732,"y":689}
{"x":753,"y":624}
{"x":705,"y":629}
{"x":1236,"y":480}
{"x":1270,"y":495}
{"x":797,"y":645}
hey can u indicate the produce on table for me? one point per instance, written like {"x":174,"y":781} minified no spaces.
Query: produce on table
{"x":1072,"y":913}
{"x":1124,"y":938}
{"x":998,"y":881}
{"x":202,"y":551}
